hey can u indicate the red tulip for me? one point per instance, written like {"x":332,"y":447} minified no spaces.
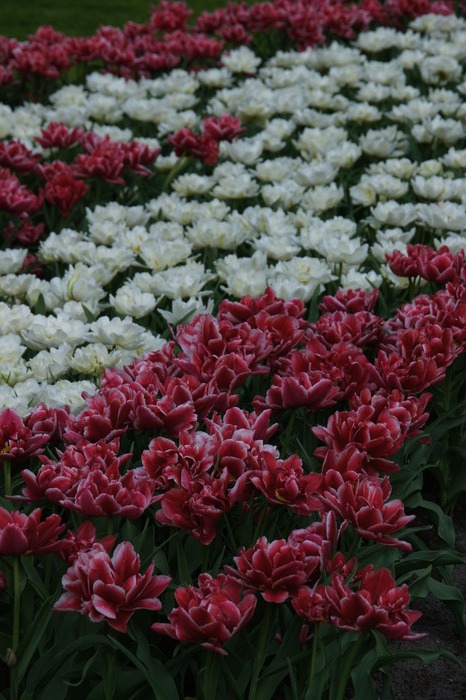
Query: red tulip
{"x":25,"y":534}
{"x":110,"y":589}
{"x":210,"y":614}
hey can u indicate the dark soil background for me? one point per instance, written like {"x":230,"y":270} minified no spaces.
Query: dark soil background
{"x":441,"y":679}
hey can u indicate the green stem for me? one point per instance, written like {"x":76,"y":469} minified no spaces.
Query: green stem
{"x":211,"y":674}
{"x":354,"y":545}
{"x":17,"y":602}
{"x":109,"y":525}
{"x":348,"y":665}
{"x":260,"y":524}
{"x":315,"y":646}
{"x":7,"y":473}
{"x":177,"y":168}
{"x":261,"y":650}
{"x":109,"y":679}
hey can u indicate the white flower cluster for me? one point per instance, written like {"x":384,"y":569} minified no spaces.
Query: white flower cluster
{"x":347,"y":156}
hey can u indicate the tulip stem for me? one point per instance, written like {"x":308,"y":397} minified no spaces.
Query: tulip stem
{"x":353,"y":547}
{"x":177,"y":168}
{"x":109,"y":525}
{"x":315,"y":646}
{"x":7,"y":473}
{"x":211,"y":675}
{"x":261,"y":650}
{"x":348,"y":665}
{"x":17,"y":602}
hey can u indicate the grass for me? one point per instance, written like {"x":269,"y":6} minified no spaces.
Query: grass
{"x":18,"y":18}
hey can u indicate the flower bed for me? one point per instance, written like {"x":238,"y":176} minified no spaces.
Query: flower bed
{"x":232,"y":309}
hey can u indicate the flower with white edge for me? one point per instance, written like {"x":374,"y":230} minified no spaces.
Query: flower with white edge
{"x":192,"y":184}
{"x":286,"y":193}
{"x":159,"y":254}
{"x":317,"y":172}
{"x":455,"y":242}
{"x":210,"y":233}
{"x":130,"y":301}
{"x":277,"y":169}
{"x":52,"y":332}
{"x":92,"y":359}
{"x":278,"y":247}
{"x":438,"y":70}
{"x":392,"y":213}
{"x":11,"y":348}
{"x":184,"y":311}
{"x":67,"y":393}
{"x":11,"y":260}
{"x":119,"y":332}
{"x":215,"y":77}
{"x":14,"y":318}
{"x":16,"y":286}
{"x":81,"y":283}
{"x":181,"y":281}
{"x":241,"y":60}
{"x":442,"y":215}
{"x":354,"y":279}
{"x":247,"y":151}
{"x":384,"y":143}
{"x":239,"y":187}
{"x":322,"y":198}
{"x":299,"y":277}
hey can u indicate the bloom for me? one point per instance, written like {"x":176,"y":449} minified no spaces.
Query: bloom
{"x":26,"y":534}
{"x":110,"y":589}
{"x":210,"y":614}
{"x":17,"y":441}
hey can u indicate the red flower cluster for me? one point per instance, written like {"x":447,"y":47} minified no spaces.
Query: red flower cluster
{"x":22,"y":534}
{"x":377,"y":427}
{"x":205,"y":145}
{"x":110,"y":588}
{"x":280,"y":568}
{"x":439,"y":266}
{"x":19,"y":441}
{"x":210,"y":614}
{"x":205,"y":454}
{"x":372,"y":602}
{"x":162,"y":43}
{"x":87,"y":479}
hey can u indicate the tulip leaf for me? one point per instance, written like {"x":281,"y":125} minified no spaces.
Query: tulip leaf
{"x":445,"y":527}
{"x":158,"y":678}
{"x":440,"y":557}
{"x":33,"y":577}
{"x":457,"y":484}
{"x":361,"y":677}
{"x":419,"y":588}
{"x":293,"y":681}
{"x":454,"y":600}
{"x":53,"y":660}
{"x":32,"y":638}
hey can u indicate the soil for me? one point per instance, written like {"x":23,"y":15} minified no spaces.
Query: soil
{"x":442,"y":679}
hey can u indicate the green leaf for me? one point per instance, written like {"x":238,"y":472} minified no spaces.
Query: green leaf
{"x":90,"y":317}
{"x":51,"y":662}
{"x":85,"y":670}
{"x":439,"y":557}
{"x":32,"y":638}
{"x":361,"y":677}
{"x":457,"y":483}
{"x":419,"y":588}
{"x":293,"y":681}
{"x":454,"y":600}
{"x":40,"y":307}
{"x":33,"y":577}
{"x":157,"y":676}
{"x":445,"y":527}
